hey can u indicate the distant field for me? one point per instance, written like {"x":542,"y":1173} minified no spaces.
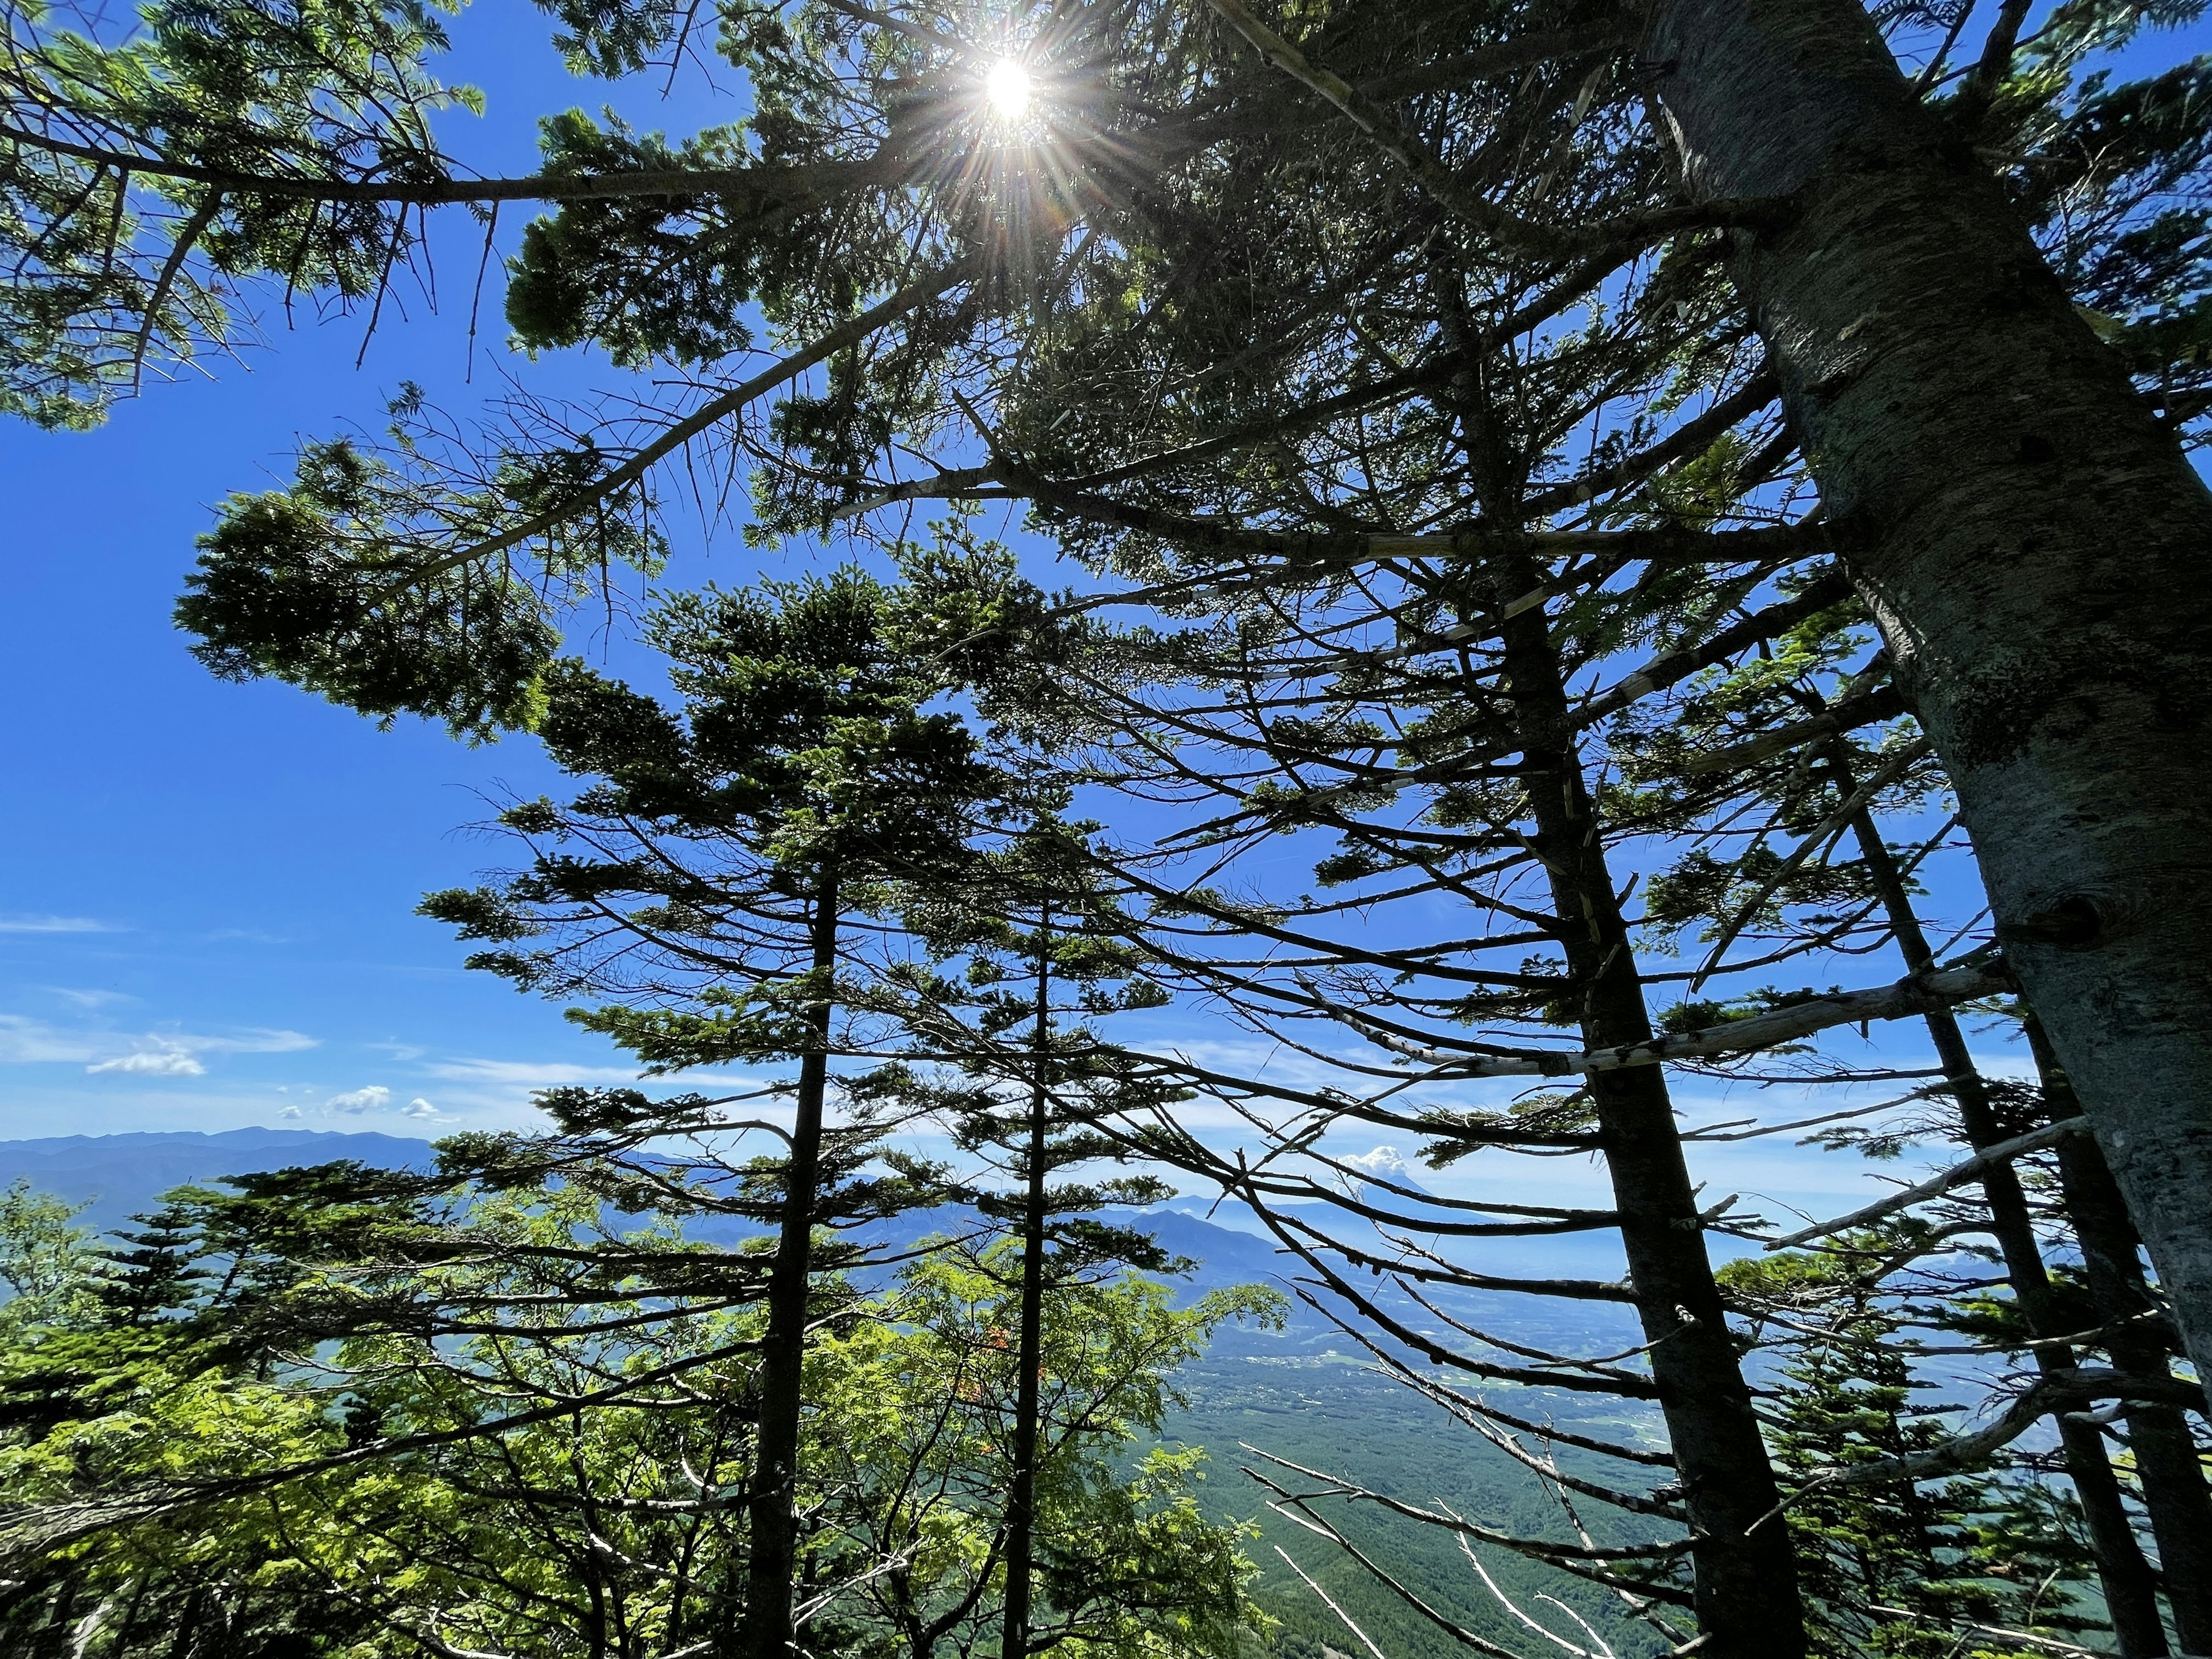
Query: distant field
{"x":1330,"y":1415}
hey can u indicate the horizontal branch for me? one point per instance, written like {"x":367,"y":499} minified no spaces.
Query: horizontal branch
{"x":1827,"y":829}
{"x":1435,"y":1351}
{"x":2054,"y":1391}
{"x":1693,"y":437}
{"x":1323,"y":549}
{"x":1581,"y":1290}
{"x":1912,"y":996}
{"x":1829,"y":588}
{"x":917,"y":293}
{"x":1882,"y":703}
{"x":771,"y":184}
{"x":1935,"y":1186}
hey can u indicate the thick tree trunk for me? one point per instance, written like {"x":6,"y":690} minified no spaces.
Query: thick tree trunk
{"x":2033,"y":542}
{"x":1029,"y":1348}
{"x":1746,"y":1598}
{"x":2167,"y":1462}
{"x":771,"y":1509}
{"x":2130,"y":1586}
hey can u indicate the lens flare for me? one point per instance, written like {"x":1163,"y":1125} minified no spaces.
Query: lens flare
{"x":1007,"y":88}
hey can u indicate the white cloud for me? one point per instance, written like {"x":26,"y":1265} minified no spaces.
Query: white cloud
{"x":1383,"y":1160}
{"x":289,"y":1111}
{"x":56,"y":925}
{"x":374,"y":1099}
{"x":420,"y":1108}
{"x":154,"y":1062}
{"x":530,"y":1074}
{"x":255,"y":1040}
{"x":158,"y":1054}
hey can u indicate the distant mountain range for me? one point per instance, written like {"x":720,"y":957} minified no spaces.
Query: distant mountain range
{"x":117,"y":1176}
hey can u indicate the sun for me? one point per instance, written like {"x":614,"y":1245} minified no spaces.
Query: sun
{"x":1006,"y":85}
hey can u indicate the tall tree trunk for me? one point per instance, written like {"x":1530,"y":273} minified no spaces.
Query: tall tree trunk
{"x":2130,"y":1586}
{"x":1029,"y":1350}
{"x":2167,"y":1462}
{"x":1746,"y":1598}
{"x":771,"y":1510}
{"x":2032,"y":540}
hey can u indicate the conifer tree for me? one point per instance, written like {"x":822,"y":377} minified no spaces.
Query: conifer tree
{"x":1040,"y":942}
{"x":1970,"y":1562}
{"x":706,"y":894}
{"x":1817,"y":898}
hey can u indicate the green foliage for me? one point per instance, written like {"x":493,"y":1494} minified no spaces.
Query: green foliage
{"x":118,"y":271}
{"x":1129,"y":1564}
{"x":320,"y":584}
{"x":47,"y":1264}
{"x":505,"y":1423}
{"x":615,"y":270}
{"x":807,"y":756}
{"x":468,"y":652}
{"x":1902,"y":1570}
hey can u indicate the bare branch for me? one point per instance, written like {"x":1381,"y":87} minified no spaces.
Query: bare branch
{"x":1935,"y":1186}
{"x":1885,"y":702}
{"x":1908,"y":998}
{"x":1834,"y":824}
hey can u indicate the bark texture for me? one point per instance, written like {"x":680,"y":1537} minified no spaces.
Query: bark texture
{"x":2167,"y":1461}
{"x":771,"y":1513}
{"x":2033,"y":541}
{"x":1746,"y":1587}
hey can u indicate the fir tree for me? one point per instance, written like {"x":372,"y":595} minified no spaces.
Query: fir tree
{"x":716,"y":895}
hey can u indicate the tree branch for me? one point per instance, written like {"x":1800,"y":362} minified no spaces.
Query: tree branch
{"x":1913,"y":996}
{"x":1935,"y":1186}
{"x":1884,"y":703}
{"x":1522,"y":235}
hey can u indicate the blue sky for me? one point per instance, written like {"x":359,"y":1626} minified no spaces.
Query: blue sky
{"x":205,"y":889}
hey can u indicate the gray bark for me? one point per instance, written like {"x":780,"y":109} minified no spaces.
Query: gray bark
{"x":2167,"y":1461}
{"x":2031,"y":539}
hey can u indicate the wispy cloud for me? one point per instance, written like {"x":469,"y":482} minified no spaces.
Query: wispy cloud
{"x":88,"y":998}
{"x":529,"y":1073}
{"x":154,"y":1062}
{"x":35,"y":1042}
{"x":20,"y":924}
{"x":25,"y":1041}
{"x":254,"y":1040}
